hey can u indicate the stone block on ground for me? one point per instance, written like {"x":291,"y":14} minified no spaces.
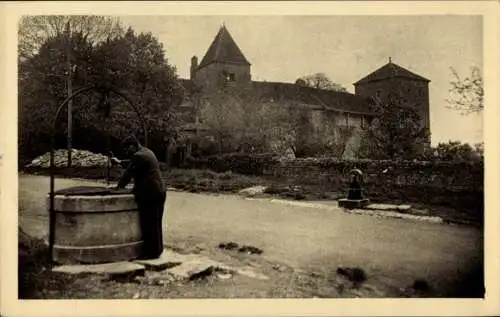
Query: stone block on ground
{"x":183,"y":267}
{"x":388,"y":207}
{"x":193,"y":269}
{"x":381,"y":207}
{"x":422,"y":212}
{"x":167,"y":259}
{"x":404,"y":207}
{"x":252,"y":191}
{"x":394,"y":214}
{"x":114,"y":269}
{"x":224,"y":276}
{"x":352,"y":203}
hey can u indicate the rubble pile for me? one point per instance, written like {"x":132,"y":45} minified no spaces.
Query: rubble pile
{"x":79,"y":158}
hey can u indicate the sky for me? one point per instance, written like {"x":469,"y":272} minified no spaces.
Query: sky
{"x":345,"y":48}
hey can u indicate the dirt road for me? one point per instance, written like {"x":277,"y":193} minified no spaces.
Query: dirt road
{"x":396,"y":251}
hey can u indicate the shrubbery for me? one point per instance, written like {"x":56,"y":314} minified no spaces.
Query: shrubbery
{"x":247,"y":164}
{"x":256,"y":164}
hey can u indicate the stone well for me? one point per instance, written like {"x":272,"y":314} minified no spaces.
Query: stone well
{"x":95,"y":225}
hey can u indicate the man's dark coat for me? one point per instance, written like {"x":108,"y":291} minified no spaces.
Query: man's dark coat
{"x":150,"y":195}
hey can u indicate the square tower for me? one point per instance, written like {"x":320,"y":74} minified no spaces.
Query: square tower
{"x":223,"y":64}
{"x":394,"y":80}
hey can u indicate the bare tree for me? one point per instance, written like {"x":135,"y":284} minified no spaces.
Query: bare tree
{"x":279,"y":126}
{"x":340,"y":146}
{"x":35,"y":30}
{"x":223,"y":115}
{"x":320,"y":81}
{"x":467,"y":93}
{"x":252,"y":122}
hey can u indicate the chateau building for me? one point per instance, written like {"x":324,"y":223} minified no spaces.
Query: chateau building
{"x":225,"y":65}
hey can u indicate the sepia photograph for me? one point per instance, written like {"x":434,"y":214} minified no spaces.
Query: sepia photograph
{"x":250,"y":156}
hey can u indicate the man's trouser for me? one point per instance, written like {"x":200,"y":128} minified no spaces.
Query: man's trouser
{"x":151,"y":210}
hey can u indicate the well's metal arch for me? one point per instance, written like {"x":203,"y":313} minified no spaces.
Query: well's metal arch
{"x":105,"y":89}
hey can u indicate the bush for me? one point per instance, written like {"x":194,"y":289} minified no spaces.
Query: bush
{"x":246,"y":164}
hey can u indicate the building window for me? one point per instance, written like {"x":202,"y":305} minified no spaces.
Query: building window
{"x":229,"y":76}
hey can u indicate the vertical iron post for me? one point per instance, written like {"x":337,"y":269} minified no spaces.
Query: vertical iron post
{"x":70,"y":91}
{"x":52,"y":220}
{"x":67,"y":101}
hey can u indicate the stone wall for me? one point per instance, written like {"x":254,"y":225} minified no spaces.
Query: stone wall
{"x":458,"y":185}
{"x":212,"y":76}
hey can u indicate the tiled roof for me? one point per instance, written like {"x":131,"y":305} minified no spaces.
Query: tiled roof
{"x":316,"y":98}
{"x":223,"y":49}
{"x":390,"y":70}
{"x":323,"y":99}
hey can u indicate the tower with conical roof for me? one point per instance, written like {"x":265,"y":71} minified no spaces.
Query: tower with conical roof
{"x":223,"y":64}
{"x":393,"y":80}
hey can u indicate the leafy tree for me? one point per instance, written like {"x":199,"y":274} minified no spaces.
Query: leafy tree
{"x":467,"y":93}
{"x":396,"y":133}
{"x":320,"y":81}
{"x":479,"y":149}
{"x":42,"y":87}
{"x":136,"y":64}
{"x":456,"y":151}
{"x":339,"y":145}
{"x":35,"y":30}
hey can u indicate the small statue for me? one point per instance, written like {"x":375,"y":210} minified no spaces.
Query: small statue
{"x":355,"y":189}
{"x":355,"y":197}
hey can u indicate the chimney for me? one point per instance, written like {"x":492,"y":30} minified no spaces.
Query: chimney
{"x":194,"y":67}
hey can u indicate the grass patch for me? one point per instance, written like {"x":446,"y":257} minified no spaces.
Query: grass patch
{"x":36,"y":280}
{"x":195,"y":180}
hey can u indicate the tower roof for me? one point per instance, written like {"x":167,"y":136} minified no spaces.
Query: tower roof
{"x":390,"y":70}
{"x":223,"y":49}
